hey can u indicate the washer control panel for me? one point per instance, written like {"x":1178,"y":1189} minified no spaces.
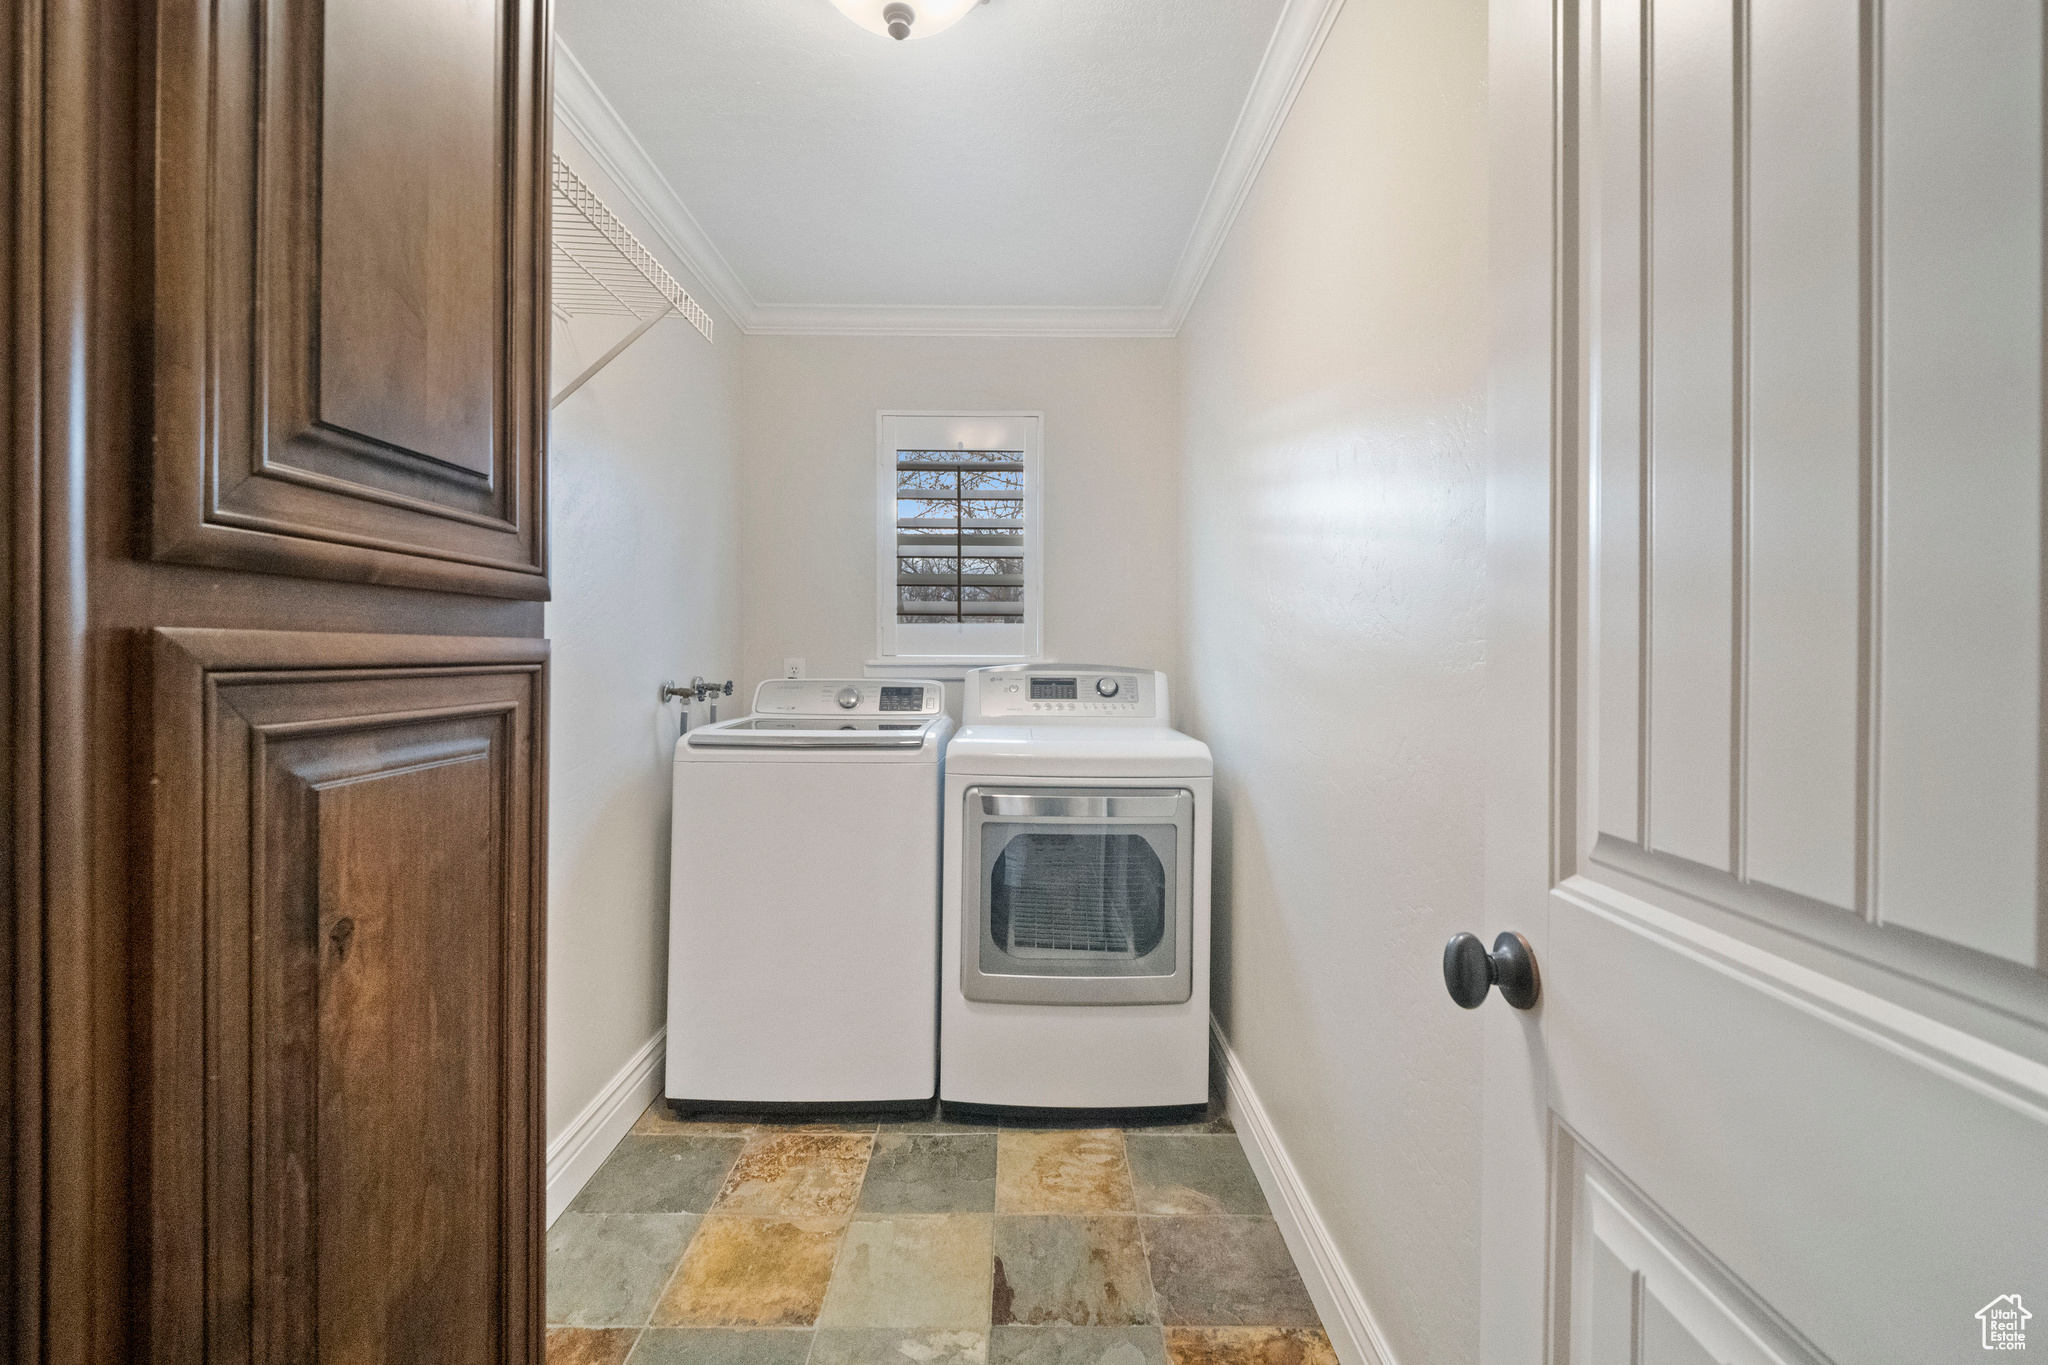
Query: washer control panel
{"x":849,"y":697}
{"x":1069,"y":692}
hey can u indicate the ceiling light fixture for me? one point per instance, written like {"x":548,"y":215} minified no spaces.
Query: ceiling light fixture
{"x":901,"y":19}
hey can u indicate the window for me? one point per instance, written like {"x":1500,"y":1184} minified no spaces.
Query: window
{"x":959,"y":562}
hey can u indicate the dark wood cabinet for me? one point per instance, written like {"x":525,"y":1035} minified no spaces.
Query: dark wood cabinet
{"x":345,"y":959}
{"x":350,"y":290}
{"x":273,"y":548}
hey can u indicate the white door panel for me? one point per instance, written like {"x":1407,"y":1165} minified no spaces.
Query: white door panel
{"x":1957,"y":680}
{"x":1803,"y":563}
{"x":1645,"y":1296}
{"x":1823,"y":558}
{"x":1830,"y":1164}
{"x":1784,"y":877}
{"x":1689,"y":302}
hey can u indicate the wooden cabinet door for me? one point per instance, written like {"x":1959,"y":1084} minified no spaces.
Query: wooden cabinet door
{"x":351,"y":290}
{"x":346,"y":997}
{"x":275,"y":280}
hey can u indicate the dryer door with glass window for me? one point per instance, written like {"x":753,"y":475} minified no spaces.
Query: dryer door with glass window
{"x":1078,"y":896}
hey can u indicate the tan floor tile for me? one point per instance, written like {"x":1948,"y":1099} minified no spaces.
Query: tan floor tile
{"x":912,"y":1272}
{"x":1062,"y":1171}
{"x":752,"y":1272}
{"x":1248,"y":1346}
{"x":797,"y":1175}
{"x":590,"y":1345}
{"x":658,"y":1120}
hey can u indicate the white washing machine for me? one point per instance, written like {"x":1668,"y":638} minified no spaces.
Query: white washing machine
{"x":804,"y":898}
{"x":1075,"y":964}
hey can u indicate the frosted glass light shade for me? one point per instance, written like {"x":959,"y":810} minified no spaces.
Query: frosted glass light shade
{"x":932,"y":16}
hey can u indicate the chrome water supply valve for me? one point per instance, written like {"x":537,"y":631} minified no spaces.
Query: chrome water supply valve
{"x":698,"y":690}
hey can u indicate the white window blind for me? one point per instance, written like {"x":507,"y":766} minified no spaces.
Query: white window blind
{"x":959,"y":563}
{"x":959,"y":536}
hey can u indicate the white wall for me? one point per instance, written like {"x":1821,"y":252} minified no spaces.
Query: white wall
{"x":1333,"y":392}
{"x":1112,"y":499}
{"x":643,"y":516}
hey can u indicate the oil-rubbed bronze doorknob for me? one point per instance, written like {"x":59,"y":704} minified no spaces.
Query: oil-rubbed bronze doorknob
{"x":1470,"y":971}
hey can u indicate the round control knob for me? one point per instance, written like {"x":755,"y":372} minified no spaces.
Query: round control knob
{"x":848,"y":698}
{"x":1105,"y":687}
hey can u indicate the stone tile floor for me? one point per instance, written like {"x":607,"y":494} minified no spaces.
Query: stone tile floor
{"x":746,"y":1241}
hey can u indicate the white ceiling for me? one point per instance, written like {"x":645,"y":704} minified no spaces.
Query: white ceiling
{"x":1044,"y":165}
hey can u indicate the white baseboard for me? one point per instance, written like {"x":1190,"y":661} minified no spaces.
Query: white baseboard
{"x":575,"y":1156}
{"x":1353,"y":1332}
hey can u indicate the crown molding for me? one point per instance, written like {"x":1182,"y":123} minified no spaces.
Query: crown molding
{"x":945,"y":320}
{"x":1290,"y":53}
{"x":584,"y":110}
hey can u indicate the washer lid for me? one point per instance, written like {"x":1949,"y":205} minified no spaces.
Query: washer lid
{"x":813,"y":732}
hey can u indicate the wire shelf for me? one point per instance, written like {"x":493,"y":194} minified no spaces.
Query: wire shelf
{"x":601,"y":268}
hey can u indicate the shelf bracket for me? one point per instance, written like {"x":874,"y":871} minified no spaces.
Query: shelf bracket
{"x":607,"y":358}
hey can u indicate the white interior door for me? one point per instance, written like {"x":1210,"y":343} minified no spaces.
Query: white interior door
{"x":1767,"y":528}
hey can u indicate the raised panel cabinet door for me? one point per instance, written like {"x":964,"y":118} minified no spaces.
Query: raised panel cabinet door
{"x":345,"y":959}
{"x":351,"y":207}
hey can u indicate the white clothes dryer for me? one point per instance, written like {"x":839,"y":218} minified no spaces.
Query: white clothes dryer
{"x":804,"y":898}
{"x":1075,"y":961}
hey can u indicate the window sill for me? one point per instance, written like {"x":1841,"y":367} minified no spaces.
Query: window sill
{"x":942,"y":668}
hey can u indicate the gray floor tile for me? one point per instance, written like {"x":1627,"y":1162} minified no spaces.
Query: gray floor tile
{"x":1225,"y":1271}
{"x":931,"y":1173}
{"x":1059,"y":1344}
{"x":665,"y":1174}
{"x":938,"y":1120}
{"x":606,"y":1269}
{"x":722,"y":1346}
{"x":898,"y":1346}
{"x":1188,"y":1174}
{"x":1086,"y":1271}
{"x":924,"y":1271}
{"x":1216,"y":1121}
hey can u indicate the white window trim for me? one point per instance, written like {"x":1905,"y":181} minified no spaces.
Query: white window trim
{"x":949,"y":666}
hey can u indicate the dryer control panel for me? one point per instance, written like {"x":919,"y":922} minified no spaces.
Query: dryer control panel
{"x":1044,"y":693}
{"x":849,"y":697}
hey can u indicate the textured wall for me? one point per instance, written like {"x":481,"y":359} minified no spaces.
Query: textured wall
{"x":1112,"y":499}
{"x":643,"y":501}
{"x":1333,"y":413}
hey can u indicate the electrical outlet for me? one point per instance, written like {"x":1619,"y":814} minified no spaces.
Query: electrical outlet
{"x":792,"y":668}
